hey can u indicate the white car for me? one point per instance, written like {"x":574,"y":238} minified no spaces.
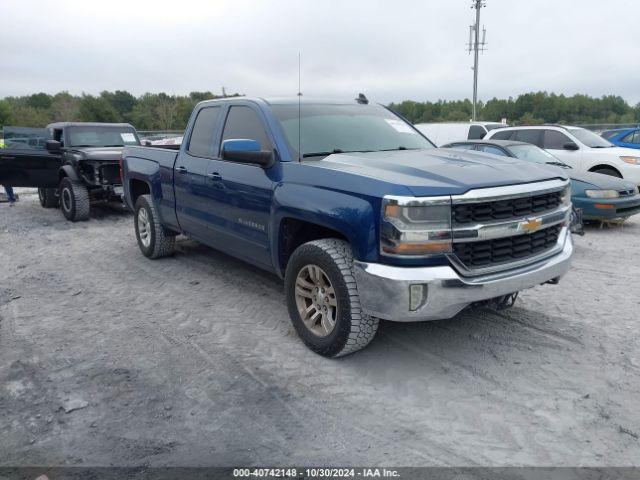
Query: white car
{"x":443,"y":133}
{"x":580,"y":148}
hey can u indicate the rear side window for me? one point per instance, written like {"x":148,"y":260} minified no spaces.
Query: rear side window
{"x":529,"y":136}
{"x":244,"y":123}
{"x":476,"y":132}
{"x":504,"y":135}
{"x":492,"y":150}
{"x":554,"y":140}
{"x":462,"y":146}
{"x":633,"y":137}
{"x":201,"y":141}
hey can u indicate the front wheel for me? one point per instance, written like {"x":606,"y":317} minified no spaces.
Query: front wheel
{"x":74,"y":200}
{"x":323,"y":300}
{"x":48,"y":197}
{"x":154,"y":241}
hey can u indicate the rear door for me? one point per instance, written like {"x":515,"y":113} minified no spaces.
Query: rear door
{"x":194,"y":190}
{"x":24,"y":162}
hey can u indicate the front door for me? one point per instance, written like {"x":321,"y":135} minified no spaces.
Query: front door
{"x":24,"y":162}
{"x":241,"y":207}
{"x":554,"y":142}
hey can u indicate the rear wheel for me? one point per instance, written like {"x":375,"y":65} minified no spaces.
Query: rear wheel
{"x":608,"y":171}
{"x":74,"y":200}
{"x":48,"y":197}
{"x":323,"y":300}
{"x":154,"y":241}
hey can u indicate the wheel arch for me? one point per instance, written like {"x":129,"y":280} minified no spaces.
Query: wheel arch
{"x":603,"y":166}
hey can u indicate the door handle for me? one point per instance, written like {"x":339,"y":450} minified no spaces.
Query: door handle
{"x":182,"y":169}
{"x":8,"y":158}
{"x":214,"y":176}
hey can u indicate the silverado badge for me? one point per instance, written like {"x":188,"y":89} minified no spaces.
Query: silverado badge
{"x":531,"y":225}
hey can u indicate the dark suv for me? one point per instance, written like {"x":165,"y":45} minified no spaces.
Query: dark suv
{"x":77,"y":165}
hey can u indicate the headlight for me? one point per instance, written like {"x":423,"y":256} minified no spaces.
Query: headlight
{"x":565,"y":197}
{"x":602,"y":193}
{"x":416,"y":226}
{"x":631,"y":160}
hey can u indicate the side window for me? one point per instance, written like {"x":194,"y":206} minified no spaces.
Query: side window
{"x":57,"y":135}
{"x":636,"y":138}
{"x":204,"y":128}
{"x":462,"y":146}
{"x":243,"y":122}
{"x":529,"y":136}
{"x":503,"y":135}
{"x":493,"y":150}
{"x":476,"y":132}
{"x":554,"y":140}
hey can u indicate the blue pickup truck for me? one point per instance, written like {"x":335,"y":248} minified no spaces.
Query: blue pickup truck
{"x":355,"y":209}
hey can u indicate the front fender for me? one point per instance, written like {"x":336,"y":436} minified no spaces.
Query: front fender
{"x":68,"y":171}
{"x":353,"y":216}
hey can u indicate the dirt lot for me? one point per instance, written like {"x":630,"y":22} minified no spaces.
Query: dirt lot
{"x":107,"y":358}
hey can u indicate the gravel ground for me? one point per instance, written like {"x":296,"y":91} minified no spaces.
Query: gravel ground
{"x":108,"y":358}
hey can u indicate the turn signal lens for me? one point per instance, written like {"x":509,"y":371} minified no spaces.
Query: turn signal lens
{"x":631,"y":160}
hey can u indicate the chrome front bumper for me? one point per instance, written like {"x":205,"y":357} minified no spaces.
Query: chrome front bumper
{"x":385,"y":290}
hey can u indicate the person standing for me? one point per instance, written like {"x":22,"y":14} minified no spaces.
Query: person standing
{"x":10,"y":195}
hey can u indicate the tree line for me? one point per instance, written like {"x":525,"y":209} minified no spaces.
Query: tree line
{"x":160,"y":111}
{"x":151,"y":111}
{"x":529,"y":109}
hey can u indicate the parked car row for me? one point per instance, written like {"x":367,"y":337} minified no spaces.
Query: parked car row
{"x":353,"y":207}
{"x":599,"y":197}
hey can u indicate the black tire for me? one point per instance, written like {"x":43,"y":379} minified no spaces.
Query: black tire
{"x":74,"y":200}
{"x":353,"y":329}
{"x":158,"y":242}
{"x":608,"y":171}
{"x":48,"y":197}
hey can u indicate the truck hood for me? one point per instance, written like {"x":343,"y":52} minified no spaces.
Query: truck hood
{"x":98,"y":153}
{"x":440,"y":171}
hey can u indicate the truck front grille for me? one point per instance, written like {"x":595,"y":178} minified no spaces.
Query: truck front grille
{"x":507,"y":209}
{"x":110,"y":174}
{"x":503,"y":250}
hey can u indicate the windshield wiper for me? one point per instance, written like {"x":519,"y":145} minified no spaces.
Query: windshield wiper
{"x":322,"y":154}
{"x":559,"y":164}
{"x":602,"y":146}
{"x":114,"y":145}
{"x":338,"y":150}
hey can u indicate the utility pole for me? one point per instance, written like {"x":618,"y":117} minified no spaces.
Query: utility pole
{"x":476,"y":46}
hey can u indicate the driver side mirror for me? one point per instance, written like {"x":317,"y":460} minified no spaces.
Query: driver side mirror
{"x":246,"y":151}
{"x":53,"y":146}
{"x":570,"y":146}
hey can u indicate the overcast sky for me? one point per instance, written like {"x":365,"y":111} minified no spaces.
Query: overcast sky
{"x":390,"y":49}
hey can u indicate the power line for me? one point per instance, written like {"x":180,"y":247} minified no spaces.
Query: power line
{"x":476,"y":46}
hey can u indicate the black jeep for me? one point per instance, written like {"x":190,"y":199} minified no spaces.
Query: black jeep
{"x":73,"y":165}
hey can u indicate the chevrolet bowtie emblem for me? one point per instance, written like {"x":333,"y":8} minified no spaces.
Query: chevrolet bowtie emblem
{"x":531,"y":225}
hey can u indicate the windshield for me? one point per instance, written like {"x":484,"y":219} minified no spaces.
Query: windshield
{"x":326,"y":129}
{"x":96,"y":136}
{"x":589,"y":138}
{"x":531,"y":153}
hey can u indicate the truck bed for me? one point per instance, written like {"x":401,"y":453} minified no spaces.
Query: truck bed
{"x":162,"y":156}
